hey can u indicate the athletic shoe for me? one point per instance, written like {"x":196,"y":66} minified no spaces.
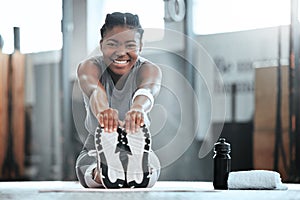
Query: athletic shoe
{"x":137,"y":172}
{"x":109,"y":157}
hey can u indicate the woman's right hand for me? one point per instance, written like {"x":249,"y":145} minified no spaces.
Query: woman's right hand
{"x":108,"y":119}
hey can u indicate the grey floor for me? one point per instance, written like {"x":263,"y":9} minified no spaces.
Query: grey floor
{"x":162,"y":190}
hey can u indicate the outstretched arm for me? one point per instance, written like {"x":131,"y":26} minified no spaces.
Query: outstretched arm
{"x":88,"y":76}
{"x":149,"y":81}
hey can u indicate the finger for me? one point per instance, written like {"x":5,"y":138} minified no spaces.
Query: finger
{"x":100,"y":119}
{"x":110,"y":122}
{"x":142,"y":122}
{"x":138,"y":120}
{"x":132,"y":122}
{"x":127,"y":123}
{"x":105,"y":121}
{"x":116,"y":122}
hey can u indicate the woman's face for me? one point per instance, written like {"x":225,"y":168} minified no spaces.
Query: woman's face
{"x":120,"y":47}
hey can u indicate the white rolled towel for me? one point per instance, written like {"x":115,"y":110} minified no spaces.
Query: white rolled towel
{"x":255,"y":179}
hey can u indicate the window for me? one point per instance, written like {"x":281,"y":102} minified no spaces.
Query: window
{"x":219,"y":16}
{"x":39,"y":22}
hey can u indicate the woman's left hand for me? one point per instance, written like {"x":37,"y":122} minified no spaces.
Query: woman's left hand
{"x":134,"y":119}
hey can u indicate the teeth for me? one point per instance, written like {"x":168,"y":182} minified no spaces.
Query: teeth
{"x":120,"y":61}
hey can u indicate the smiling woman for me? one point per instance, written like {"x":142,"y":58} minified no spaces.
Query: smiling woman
{"x":119,"y":89}
{"x":39,"y":22}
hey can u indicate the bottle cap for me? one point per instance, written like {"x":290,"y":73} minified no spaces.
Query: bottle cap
{"x":222,"y":146}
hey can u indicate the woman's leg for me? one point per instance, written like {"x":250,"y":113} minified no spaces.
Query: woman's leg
{"x":86,"y":165}
{"x":143,"y":165}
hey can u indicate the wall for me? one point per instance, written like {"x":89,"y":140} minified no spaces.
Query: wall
{"x":43,"y":134}
{"x":237,"y":55}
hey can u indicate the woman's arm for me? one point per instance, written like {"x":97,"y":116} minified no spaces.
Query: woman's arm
{"x":149,"y":82}
{"x":88,"y":74}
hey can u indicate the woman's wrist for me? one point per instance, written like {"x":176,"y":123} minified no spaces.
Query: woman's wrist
{"x":97,"y":106}
{"x":137,"y":107}
{"x":149,"y":98}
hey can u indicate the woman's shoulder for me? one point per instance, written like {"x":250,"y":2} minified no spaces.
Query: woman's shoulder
{"x":145,"y":63}
{"x":96,"y":60}
{"x":92,"y":65}
{"x":147,"y":67}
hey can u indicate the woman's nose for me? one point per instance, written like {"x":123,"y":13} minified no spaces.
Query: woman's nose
{"x":121,"y":50}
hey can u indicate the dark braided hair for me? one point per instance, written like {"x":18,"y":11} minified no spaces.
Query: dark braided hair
{"x":121,"y":19}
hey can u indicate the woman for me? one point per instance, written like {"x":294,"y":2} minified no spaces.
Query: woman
{"x":119,"y":88}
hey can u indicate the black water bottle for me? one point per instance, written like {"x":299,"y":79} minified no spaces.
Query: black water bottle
{"x":222,"y":164}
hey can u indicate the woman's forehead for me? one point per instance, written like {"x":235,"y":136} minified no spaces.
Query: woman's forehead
{"x":121,"y":34}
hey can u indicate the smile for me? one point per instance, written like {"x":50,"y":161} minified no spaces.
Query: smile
{"x":121,"y":62}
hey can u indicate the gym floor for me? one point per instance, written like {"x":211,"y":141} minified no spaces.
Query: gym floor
{"x":162,"y":190}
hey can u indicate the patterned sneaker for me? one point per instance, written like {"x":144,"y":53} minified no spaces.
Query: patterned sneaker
{"x":138,"y":174}
{"x":111,"y":168}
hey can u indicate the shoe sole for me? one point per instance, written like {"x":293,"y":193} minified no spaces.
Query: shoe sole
{"x":138,"y":175}
{"x":111,"y":170}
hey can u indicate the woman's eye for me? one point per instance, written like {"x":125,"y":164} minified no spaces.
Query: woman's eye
{"x":111,"y":44}
{"x":131,"y":46}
